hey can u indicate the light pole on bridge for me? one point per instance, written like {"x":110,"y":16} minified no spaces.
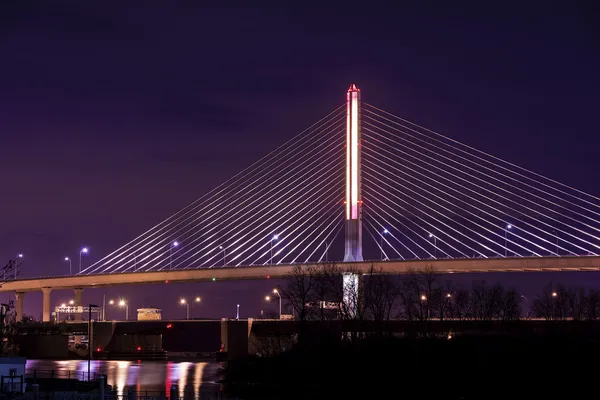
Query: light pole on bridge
{"x":70,"y":266}
{"x":274,"y":238}
{"x":224,"y":250}
{"x":82,"y":251}
{"x":432,"y":236}
{"x":19,"y":256}
{"x":383,"y":233}
{"x":508,"y":227}
{"x":173,"y":245}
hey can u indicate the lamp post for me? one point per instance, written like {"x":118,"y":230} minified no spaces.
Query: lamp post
{"x":123,"y":304}
{"x":20,"y":255}
{"x":432,"y":236}
{"x":384,"y":232}
{"x":90,"y":344}
{"x":198,"y":299}
{"x":508,"y":227}
{"x":70,"y":266}
{"x":274,"y":238}
{"x":173,"y":245}
{"x":187,"y":306}
{"x":224,"y":254}
{"x":276,"y":292}
{"x":237,"y":313}
{"x":82,"y":251}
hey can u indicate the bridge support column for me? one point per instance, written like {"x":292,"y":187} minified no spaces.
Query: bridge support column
{"x":19,"y":297}
{"x":46,"y":304}
{"x":353,"y":247}
{"x":353,"y":286}
{"x":78,"y":301}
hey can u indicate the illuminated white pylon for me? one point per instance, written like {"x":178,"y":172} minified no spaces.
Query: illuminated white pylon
{"x":353,"y":182}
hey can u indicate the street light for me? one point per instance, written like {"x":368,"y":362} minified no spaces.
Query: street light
{"x":82,"y":251}
{"x":71,"y":302}
{"x":274,"y":238}
{"x":173,"y":245}
{"x":508,"y":227}
{"x":237,"y":313}
{"x":20,"y":255}
{"x":70,"y":267}
{"x":276,"y":292}
{"x":423,"y":297}
{"x":432,"y":236}
{"x":123,"y":304}
{"x":385,"y":232}
{"x":224,"y":255}
{"x":187,"y":306}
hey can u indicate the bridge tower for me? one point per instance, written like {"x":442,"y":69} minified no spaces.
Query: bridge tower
{"x":353,"y":247}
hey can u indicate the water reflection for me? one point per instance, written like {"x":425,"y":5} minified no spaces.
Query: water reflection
{"x":148,"y":377}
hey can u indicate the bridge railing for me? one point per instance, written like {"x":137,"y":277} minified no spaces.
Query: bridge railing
{"x":60,"y":374}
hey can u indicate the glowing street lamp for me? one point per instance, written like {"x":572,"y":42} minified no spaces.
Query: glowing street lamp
{"x":82,"y":251}
{"x":432,"y":236}
{"x":276,"y":292}
{"x":274,"y":238}
{"x":70,"y":267}
{"x":224,"y":250}
{"x":187,"y":306}
{"x":554,"y":294}
{"x":122,"y":303}
{"x":508,"y":227}
{"x":173,"y":245}
{"x":71,"y":302}
{"x":384,"y":232}
{"x":20,"y":255}
{"x":423,"y":297}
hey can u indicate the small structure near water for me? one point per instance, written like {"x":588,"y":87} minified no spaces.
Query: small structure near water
{"x":149,"y":314}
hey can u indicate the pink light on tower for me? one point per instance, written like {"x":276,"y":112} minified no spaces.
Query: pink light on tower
{"x":353,"y":250}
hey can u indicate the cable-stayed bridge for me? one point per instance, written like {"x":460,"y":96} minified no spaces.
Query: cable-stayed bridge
{"x":386,"y":190}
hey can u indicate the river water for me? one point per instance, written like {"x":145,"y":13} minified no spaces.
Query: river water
{"x":196,"y":380}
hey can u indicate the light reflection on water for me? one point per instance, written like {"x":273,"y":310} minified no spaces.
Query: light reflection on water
{"x":144,"y":376}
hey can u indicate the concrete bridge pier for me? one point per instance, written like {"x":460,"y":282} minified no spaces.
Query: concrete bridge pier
{"x":46,"y":304}
{"x":19,"y":297}
{"x":78,"y":301}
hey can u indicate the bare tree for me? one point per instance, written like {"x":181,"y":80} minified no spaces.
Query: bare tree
{"x":299,"y":290}
{"x":381,"y":295}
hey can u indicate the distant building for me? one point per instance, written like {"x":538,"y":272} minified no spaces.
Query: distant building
{"x":149,"y":314}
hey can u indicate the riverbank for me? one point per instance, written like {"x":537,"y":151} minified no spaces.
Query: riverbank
{"x":467,"y":367}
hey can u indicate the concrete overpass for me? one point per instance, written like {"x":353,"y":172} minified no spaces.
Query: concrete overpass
{"x":473,"y":265}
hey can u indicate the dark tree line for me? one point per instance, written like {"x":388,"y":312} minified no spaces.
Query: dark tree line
{"x":557,"y":302}
{"x":317,"y":293}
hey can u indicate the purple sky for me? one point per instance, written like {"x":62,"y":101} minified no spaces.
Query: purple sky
{"x":113,"y":116}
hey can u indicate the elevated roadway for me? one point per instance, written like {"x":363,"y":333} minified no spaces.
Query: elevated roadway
{"x":472,"y":265}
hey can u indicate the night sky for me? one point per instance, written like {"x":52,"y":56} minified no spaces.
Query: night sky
{"x":113,"y":115}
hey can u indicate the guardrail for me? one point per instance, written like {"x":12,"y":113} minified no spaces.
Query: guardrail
{"x":60,"y":374}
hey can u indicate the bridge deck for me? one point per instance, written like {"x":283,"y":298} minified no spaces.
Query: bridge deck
{"x":520,"y":264}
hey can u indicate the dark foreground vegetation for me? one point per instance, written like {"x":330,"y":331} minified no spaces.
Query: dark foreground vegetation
{"x":421,"y":337}
{"x":532,"y":366}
